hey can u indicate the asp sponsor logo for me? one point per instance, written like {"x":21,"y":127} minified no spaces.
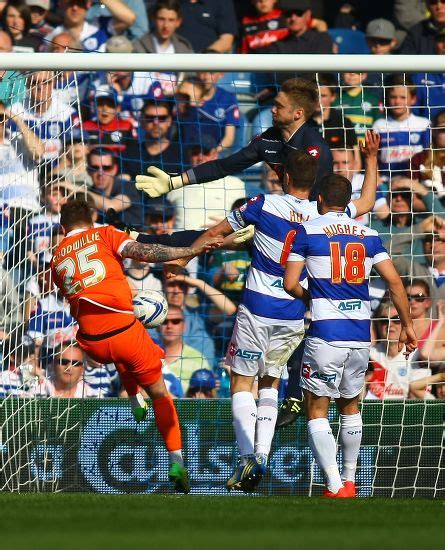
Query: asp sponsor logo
{"x":278,"y":283}
{"x":244,"y":353}
{"x":306,"y":372}
{"x":350,"y":305}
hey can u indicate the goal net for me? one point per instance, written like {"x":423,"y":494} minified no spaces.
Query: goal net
{"x":65,"y":132}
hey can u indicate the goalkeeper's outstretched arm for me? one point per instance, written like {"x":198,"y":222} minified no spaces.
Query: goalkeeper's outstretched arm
{"x":157,"y":182}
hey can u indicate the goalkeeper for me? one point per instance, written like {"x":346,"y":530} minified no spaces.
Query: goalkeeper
{"x":293,"y":106}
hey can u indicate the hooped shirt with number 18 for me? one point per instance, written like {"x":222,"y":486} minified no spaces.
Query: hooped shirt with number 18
{"x":339,"y":254}
{"x":276,"y":219}
{"x":87,"y":267}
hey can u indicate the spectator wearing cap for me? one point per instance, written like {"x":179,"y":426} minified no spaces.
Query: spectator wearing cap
{"x":155,"y":147}
{"x":202,"y":385}
{"x":381,"y":36}
{"x":421,"y":37}
{"x":430,"y":87}
{"x":200,"y":206}
{"x":109,"y":190}
{"x":107,"y":11}
{"x":302,"y":38}
{"x":160,"y":217}
{"x":381,"y":39}
{"x":16,"y":19}
{"x":181,"y":359}
{"x":106,"y":128}
{"x":131,"y":88}
{"x":39,"y":10}
{"x":209,"y":24}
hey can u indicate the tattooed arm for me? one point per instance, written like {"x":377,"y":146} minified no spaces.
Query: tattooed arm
{"x":161,"y":253}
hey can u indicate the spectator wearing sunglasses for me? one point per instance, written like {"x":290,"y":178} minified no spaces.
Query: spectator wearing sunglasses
{"x":65,"y":376}
{"x":182,"y":360}
{"x":109,"y":190}
{"x":391,"y":373}
{"x":302,"y":38}
{"x":381,"y":39}
{"x":155,"y":147}
{"x":420,"y":38}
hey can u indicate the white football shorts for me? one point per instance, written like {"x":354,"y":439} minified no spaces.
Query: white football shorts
{"x":332,"y":371}
{"x":261,"y":346}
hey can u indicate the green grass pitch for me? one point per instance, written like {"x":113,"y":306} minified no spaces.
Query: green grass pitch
{"x":89,"y":521}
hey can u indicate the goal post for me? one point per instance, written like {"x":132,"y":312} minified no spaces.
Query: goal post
{"x":85,"y":439}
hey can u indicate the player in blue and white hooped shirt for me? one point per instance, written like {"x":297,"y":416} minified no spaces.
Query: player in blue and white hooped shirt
{"x":269,"y":324}
{"x":338,"y":254}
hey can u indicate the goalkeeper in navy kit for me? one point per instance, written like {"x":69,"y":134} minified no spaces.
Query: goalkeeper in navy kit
{"x":293,"y":106}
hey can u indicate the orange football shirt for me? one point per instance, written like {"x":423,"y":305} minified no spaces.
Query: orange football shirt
{"x":87,"y":268}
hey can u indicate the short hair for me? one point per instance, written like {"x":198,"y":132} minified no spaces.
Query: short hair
{"x":303,"y":93}
{"x":74,"y":212}
{"x":419,"y":282}
{"x":329,"y":81}
{"x":172,"y":5}
{"x":102,"y":152}
{"x":301,"y":167}
{"x":335,"y":190}
{"x":157,"y":103}
{"x":401,"y":79}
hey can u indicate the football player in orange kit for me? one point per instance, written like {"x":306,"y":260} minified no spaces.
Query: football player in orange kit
{"x":87,"y":268}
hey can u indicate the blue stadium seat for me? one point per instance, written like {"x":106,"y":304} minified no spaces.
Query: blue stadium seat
{"x":349,"y":41}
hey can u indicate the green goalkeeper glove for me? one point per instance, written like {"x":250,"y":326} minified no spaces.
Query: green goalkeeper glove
{"x":244,"y":235}
{"x":158,"y":182}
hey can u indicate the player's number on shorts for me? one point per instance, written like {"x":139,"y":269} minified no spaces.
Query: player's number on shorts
{"x":83,"y":264}
{"x":353,"y":271}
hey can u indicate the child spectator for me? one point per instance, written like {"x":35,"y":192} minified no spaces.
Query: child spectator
{"x":107,"y":128}
{"x":140,"y":278}
{"x":338,"y":130}
{"x":202,"y":385}
{"x":21,"y":371}
{"x":263,"y":26}
{"x":358,"y":103}
{"x":39,"y":10}
{"x":402,"y":134}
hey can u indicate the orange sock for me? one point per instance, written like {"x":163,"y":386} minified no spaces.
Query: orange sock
{"x":167,"y":422}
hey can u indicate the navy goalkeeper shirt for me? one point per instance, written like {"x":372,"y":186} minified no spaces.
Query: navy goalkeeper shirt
{"x":271,"y":148}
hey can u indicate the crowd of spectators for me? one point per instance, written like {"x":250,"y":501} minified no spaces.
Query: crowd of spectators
{"x":66,"y":134}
